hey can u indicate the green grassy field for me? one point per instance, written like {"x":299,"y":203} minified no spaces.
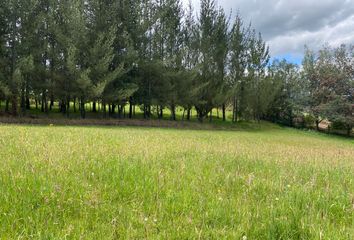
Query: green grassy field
{"x":256,"y":182}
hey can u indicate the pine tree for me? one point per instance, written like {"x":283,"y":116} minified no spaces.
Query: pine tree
{"x":221,"y":36}
{"x":239,"y":51}
{"x":257,"y":80}
{"x":4,"y":90}
{"x":208,"y":87}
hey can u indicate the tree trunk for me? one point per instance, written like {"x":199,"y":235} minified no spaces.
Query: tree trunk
{"x":45,"y":102}
{"x":291,"y":120}
{"x":28,"y":103}
{"x":189,"y":114}
{"x":173,"y":112}
{"x":82,"y":108}
{"x":121,"y":111}
{"x":224,"y":112}
{"x":63,"y":107}
{"x":7,"y":108}
{"x":104,"y":109}
{"x":14,"y":105}
{"x":74,"y":103}
{"x":234,"y":110}
{"x":161,"y":112}
{"x":51,"y":105}
{"x":94,"y":109}
{"x":349,"y":130}
{"x":317,"y":125}
{"x":114,"y":110}
{"x":200,"y":116}
{"x":68,"y":107}
{"x":147,"y":111}
{"x":130,"y":110}
{"x":23,"y":100}
{"x":42,"y":104}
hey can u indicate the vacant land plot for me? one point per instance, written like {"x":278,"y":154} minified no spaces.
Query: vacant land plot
{"x":150,"y":183}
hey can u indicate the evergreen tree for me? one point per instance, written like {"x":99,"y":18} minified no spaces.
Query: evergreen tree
{"x":258,"y":97}
{"x":239,"y":52}
{"x":221,"y":36}
{"x":208,"y":85}
{"x":292,"y":92}
{"x":4,"y":71}
{"x":155,"y":54}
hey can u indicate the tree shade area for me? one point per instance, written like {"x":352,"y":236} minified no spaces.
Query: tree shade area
{"x":158,"y":56}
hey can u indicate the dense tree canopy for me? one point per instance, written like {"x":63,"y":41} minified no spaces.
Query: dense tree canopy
{"x":156,"y":54}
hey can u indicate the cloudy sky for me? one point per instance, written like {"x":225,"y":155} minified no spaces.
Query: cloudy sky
{"x":289,"y":25}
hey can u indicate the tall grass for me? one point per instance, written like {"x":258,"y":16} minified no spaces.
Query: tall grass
{"x":141,"y":183}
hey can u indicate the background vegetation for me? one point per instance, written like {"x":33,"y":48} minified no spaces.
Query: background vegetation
{"x":158,"y":56}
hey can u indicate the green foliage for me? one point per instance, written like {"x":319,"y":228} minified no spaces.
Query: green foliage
{"x":309,"y":120}
{"x":115,"y":51}
{"x":338,"y":125}
{"x":158,"y":55}
{"x":330,"y":77}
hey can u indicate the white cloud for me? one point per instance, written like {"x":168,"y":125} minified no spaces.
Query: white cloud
{"x":289,"y":25}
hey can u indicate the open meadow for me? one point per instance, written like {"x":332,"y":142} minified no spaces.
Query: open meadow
{"x":252,"y":182}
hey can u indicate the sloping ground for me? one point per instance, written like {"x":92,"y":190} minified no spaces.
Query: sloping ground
{"x":60,"y":182}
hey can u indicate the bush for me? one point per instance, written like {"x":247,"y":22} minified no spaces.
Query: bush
{"x":338,"y":125}
{"x":309,"y":121}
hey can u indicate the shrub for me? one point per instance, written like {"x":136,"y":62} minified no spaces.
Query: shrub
{"x":309,"y":121}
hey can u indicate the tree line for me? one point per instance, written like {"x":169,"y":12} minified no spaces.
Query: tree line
{"x":158,"y":55}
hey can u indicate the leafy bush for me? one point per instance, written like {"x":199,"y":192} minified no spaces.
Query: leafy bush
{"x":338,"y":125}
{"x":309,"y":120}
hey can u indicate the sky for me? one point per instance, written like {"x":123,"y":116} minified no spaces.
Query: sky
{"x":289,"y":25}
